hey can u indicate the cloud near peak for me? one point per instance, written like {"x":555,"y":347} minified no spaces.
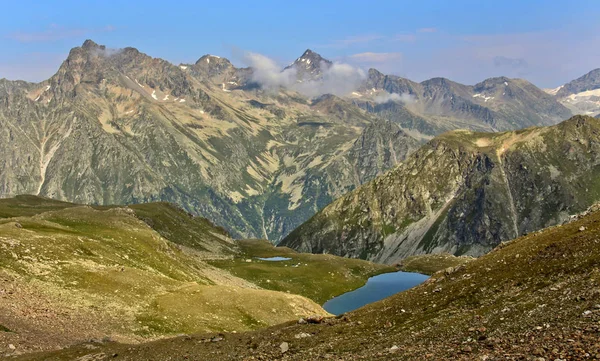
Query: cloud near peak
{"x":394,"y":97}
{"x":337,"y":78}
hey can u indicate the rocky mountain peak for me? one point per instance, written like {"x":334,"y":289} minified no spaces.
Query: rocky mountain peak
{"x":313,"y":57}
{"x":90,"y":44}
{"x":212,"y":60}
{"x":310,"y":65}
{"x":589,"y":81}
{"x":375,"y":78}
{"x":492,"y":83}
{"x":374,"y":74}
{"x":217,"y":69}
{"x":438,"y":82}
{"x":92,"y":64}
{"x":390,"y":83}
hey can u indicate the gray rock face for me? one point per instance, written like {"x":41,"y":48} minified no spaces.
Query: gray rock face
{"x":463,"y":193}
{"x":310,"y":66}
{"x":398,"y":113}
{"x":581,"y":95}
{"x":589,"y":81}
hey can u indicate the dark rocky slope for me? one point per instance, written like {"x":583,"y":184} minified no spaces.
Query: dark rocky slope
{"x":463,"y":193}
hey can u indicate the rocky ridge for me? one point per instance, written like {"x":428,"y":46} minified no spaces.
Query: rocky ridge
{"x":581,"y":95}
{"x":463,"y":193}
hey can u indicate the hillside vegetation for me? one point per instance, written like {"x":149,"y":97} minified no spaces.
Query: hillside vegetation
{"x":70,"y":273}
{"x":532,"y":298}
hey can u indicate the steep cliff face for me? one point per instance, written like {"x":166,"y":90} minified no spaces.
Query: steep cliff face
{"x":119,"y":127}
{"x":463,"y":193}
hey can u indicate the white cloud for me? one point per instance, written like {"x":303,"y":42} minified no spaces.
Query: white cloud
{"x":337,"y":78}
{"x":106,"y":52}
{"x":395,"y":97}
{"x":268,"y":73}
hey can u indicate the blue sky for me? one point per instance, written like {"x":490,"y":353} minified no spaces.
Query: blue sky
{"x":546,"y":42}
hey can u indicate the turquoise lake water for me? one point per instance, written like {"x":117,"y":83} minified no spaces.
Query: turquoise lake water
{"x":376,"y":288}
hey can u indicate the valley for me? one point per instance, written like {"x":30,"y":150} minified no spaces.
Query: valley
{"x":72,"y":273}
{"x":535,"y":296}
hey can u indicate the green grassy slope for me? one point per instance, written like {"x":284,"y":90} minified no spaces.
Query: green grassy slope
{"x":318,"y":277}
{"x":28,"y":205}
{"x":70,"y":273}
{"x":532,"y":298}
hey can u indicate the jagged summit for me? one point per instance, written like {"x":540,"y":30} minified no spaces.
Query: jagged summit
{"x":312,"y":56}
{"x":208,"y":58}
{"x":218,"y":70}
{"x":310,"y":65}
{"x":212,"y":64}
{"x":90,"y":44}
{"x":439,"y":82}
{"x":492,"y":82}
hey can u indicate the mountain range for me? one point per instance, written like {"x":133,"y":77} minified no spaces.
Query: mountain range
{"x":438,"y":105}
{"x":121,"y":127}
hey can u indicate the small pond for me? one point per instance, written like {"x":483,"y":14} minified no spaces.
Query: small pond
{"x":274,"y":259}
{"x":376,"y":288}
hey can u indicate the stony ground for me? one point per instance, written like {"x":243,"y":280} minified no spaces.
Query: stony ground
{"x":431,"y":263}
